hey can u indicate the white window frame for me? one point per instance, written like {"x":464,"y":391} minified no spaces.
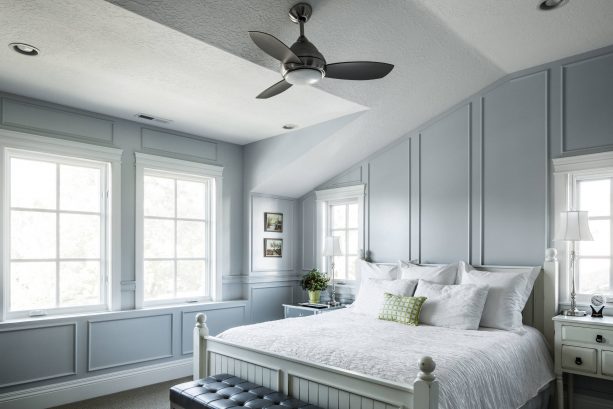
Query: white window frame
{"x":567,"y":172}
{"x":324,"y":198}
{"x":14,"y":143}
{"x":146,"y":163}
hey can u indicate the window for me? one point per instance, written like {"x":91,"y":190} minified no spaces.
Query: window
{"x":594,"y":273}
{"x":56,"y":234}
{"x":344,"y":223}
{"x":177,"y":225}
{"x":340,"y":213}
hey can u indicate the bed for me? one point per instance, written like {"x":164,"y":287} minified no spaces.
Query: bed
{"x":339,"y":360}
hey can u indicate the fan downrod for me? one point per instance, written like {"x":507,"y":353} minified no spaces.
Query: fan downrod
{"x":300,"y":12}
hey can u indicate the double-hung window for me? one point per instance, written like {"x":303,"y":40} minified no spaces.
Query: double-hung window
{"x":56,"y":231}
{"x":340,"y":213}
{"x":176,"y":230}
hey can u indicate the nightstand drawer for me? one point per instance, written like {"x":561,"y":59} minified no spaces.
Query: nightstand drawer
{"x":585,"y":335}
{"x":297,"y":312}
{"x":607,"y":363}
{"x":579,"y":359}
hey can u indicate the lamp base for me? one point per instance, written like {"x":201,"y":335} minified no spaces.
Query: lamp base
{"x":574,"y":313}
{"x":333,"y":303}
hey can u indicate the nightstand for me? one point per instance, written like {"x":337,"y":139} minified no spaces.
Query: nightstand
{"x":584,"y":346}
{"x":293,"y":310}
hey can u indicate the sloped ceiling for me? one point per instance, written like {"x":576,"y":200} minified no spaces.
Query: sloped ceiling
{"x":443,"y":50}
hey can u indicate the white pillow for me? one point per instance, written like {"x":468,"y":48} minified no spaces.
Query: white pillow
{"x":505,"y":299}
{"x":451,"y":306}
{"x":531,"y":276}
{"x":366,"y":270}
{"x":435,"y":274}
{"x":371,"y":297}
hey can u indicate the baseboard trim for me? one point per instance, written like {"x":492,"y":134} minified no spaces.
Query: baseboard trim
{"x":582,"y":401}
{"x":94,"y":386}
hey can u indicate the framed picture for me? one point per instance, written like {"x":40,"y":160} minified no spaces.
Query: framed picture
{"x":273,"y":247}
{"x":273,"y":222}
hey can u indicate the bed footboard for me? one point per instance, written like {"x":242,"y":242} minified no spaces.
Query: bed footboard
{"x":321,"y":385}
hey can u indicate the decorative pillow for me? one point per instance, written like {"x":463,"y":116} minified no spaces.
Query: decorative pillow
{"x":404,"y":310}
{"x":505,"y":299}
{"x":371,"y":297}
{"x":452,"y":306}
{"x":445,"y":274}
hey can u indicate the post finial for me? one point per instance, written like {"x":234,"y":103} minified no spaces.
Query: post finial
{"x":426,"y":366}
{"x":551,"y":254}
{"x":200,"y":319}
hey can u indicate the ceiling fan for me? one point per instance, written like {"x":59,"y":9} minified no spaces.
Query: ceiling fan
{"x":303,"y":64}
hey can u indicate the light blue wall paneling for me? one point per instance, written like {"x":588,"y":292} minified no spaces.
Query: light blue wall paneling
{"x":514,"y":174}
{"x":37,"y":353}
{"x":388,"y":204}
{"x":587,"y":98}
{"x":29,"y":116}
{"x":119,"y":342}
{"x":218,"y":320}
{"x":266,"y":300}
{"x":445,"y":189}
{"x":159,"y":141}
{"x":309,"y":232}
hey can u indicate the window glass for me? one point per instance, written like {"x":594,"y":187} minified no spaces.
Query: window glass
{"x":344,"y":223}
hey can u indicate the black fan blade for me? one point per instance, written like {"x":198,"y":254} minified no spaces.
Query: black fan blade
{"x":276,"y":89}
{"x":274,"y":47}
{"x":358,"y":70}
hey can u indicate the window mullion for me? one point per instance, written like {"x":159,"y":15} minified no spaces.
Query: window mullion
{"x":57,"y":235}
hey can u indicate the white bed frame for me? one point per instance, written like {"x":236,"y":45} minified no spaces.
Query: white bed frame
{"x":334,"y":388}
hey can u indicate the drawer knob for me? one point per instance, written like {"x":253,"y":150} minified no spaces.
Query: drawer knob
{"x":578,"y":361}
{"x":599,"y":339}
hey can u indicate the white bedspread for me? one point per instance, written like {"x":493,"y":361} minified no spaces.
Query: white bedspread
{"x":485,"y":369}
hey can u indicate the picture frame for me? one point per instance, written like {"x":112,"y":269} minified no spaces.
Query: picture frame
{"x":273,"y":248}
{"x":273,"y":222}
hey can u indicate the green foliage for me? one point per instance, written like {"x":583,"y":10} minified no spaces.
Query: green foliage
{"x":315,"y":280}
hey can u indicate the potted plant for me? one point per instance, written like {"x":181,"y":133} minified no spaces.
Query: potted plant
{"x":314,"y":282}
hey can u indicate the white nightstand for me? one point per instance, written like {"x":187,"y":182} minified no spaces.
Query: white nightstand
{"x":584,"y":346}
{"x":292,"y":310}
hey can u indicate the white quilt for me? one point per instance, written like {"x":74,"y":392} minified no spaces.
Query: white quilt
{"x":485,"y":369}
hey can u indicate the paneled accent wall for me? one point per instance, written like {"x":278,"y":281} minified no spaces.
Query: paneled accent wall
{"x":474,"y":182}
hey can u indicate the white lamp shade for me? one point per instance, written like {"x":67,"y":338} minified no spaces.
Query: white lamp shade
{"x":574,"y":226}
{"x":332,"y":246}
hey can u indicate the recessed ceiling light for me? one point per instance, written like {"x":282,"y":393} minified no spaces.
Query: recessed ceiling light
{"x":552,"y":4}
{"x":290,"y":126}
{"x":25,"y":49}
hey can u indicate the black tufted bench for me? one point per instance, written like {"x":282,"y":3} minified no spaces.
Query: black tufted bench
{"x":227,"y":391}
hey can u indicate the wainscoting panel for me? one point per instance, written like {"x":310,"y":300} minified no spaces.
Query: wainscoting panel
{"x":267,"y":300}
{"x":587,"y":98}
{"x":515,"y":171}
{"x":22,"y":115}
{"x":167,"y":142}
{"x":218,"y":321}
{"x":388,"y":204}
{"x":445,"y":188}
{"x":127,"y":341}
{"x":37,"y":353}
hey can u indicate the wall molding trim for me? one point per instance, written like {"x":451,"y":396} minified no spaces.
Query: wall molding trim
{"x":592,"y":161}
{"x":339,"y":193}
{"x":94,"y":386}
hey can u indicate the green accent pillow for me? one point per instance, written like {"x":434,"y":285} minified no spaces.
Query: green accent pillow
{"x":404,"y":310}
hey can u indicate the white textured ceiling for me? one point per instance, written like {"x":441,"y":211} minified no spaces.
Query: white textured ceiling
{"x":444,"y":51}
{"x":103,"y":58}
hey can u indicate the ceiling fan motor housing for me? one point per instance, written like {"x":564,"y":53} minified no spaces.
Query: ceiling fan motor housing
{"x":309,"y":55}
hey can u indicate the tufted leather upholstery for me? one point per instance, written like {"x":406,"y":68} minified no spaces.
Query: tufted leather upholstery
{"x":226,"y":391}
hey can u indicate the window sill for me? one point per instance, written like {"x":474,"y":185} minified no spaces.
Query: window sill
{"x":204,"y":306}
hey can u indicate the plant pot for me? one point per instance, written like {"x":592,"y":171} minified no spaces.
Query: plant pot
{"x":314,"y":296}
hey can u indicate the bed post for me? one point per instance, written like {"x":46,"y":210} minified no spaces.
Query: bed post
{"x":425,"y":387}
{"x":550,"y":292}
{"x":201,"y":332}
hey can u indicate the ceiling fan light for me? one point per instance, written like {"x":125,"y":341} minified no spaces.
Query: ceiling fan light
{"x":303,"y":76}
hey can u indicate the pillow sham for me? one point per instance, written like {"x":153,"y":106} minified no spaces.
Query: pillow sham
{"x":457,"y":306}
{"x":445,"y":274}
{"x":366,"y":270}
{"x":505,"y":299}
{"x":404,"y":310}
{"x":371,"y":295}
